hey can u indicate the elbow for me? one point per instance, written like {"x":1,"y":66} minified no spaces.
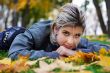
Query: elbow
{"x":13,"y":56}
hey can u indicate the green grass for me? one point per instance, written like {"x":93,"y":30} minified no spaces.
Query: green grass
{"x":96,"y":69}
{"x":104,"y":39}
{"x":3,"y":54}
{"x":103,"y":42}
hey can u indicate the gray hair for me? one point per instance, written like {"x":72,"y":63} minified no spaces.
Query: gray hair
{"x":68,"y":15}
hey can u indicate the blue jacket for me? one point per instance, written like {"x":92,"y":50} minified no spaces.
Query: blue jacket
{"x":35,"y":41}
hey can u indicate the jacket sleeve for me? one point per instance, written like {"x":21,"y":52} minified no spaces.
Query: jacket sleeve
{"x":89,"y":46}
{"x":23,"y":44}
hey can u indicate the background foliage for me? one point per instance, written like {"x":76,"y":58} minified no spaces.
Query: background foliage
{"x":31,"y":10}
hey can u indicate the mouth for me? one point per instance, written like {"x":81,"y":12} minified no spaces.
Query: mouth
{"x":69,"y":47}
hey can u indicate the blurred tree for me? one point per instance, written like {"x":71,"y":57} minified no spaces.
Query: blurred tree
{"x":105,"y":29}
{"x":108,"y":14}
{"x":31,"y":9}
{"x":100,"y":17}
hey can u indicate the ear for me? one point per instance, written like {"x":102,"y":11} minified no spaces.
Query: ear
{"x":54,"y":28}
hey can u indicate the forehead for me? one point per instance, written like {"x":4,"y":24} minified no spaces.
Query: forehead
{"x":73,"y":30}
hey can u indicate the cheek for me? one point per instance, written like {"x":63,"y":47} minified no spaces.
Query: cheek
{"x":60,"y":39}
{"x":77,"y":41}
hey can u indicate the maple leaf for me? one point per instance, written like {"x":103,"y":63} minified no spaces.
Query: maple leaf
{"x":8,"y":66}
{"x":103,"y":51}
{"x":6,"y":61}
{"x":57,"y":64}
{"x":81,"y":58}
{"x":20,"y":64}
{"x":4,"y":67}
{"x":68,"y":66}
{"x":107,"y":69}
{"x":44,"y":67}
{"x":104,"y":60}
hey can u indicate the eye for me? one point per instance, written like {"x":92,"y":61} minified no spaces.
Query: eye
{"x":66,"y":33}
{"x":77,"y":35}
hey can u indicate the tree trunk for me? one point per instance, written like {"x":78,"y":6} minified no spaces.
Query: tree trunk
{"x":70,"y":1}
{"x":25,"y":19}
{"x":108,"y":14}
{"x":98,"y":10}
{"x":15,"y":18}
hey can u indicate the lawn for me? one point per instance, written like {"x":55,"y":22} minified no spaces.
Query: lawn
{"x":3,"y":54}
{"x":104,"y":39}
{"x":80,"y":63}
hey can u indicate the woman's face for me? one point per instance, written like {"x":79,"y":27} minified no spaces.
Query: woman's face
{"x":69,"y":37}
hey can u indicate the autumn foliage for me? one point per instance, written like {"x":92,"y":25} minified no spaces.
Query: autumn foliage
{"x":8,"y":66}
{"x":81,"y":57}
{"x":78,"y":62}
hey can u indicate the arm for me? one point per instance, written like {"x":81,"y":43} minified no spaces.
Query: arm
{"x":63,"y":51}
{"x":24,"y":42}
{"x":34,"y":54}
{"x":89,"y":46}
{"x":85,"y":46}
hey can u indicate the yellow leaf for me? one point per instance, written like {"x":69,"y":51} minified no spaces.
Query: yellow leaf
{"x":103,"y":51}
{"x":33,"y":3}
{"x":20,"y":64}
{"x":104,"y":60}
{"x":5,"y":61}
{"x":81,"y":57}
{"x":5,"y":68}
{"x":21,"y":4}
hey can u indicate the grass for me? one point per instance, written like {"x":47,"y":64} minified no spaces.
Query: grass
{"x":3,"y":54}
{"x":103,"y":42}
{"x":104,"y":39}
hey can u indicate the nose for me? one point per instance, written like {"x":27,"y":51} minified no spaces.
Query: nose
{"x":70,"y":41}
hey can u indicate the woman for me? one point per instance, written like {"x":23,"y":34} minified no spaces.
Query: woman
{"x":61,"y":37}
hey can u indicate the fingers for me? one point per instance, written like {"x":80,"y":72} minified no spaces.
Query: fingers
{"x":58,"y":50}
{"x":61,"y":50}
{"x":64,"y":51}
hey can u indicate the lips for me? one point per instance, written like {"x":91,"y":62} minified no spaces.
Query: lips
{"x":69,"y":47}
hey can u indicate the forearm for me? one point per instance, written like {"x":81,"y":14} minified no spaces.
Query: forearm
{"x":70,"y":53}
{"x":89,"y":46}
{"x":42,"y":53}
{"x":94,"y":48}
{"x":33,"y":54}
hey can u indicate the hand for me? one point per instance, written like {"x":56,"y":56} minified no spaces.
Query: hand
{"x":62,"y":57}
{"x":65,"y":51}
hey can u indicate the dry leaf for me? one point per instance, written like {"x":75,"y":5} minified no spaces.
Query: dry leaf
{"x":81,"y":57}
{"x":5,"y":61}
{"x":103,"y":51}
{"x":104,"y":60}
